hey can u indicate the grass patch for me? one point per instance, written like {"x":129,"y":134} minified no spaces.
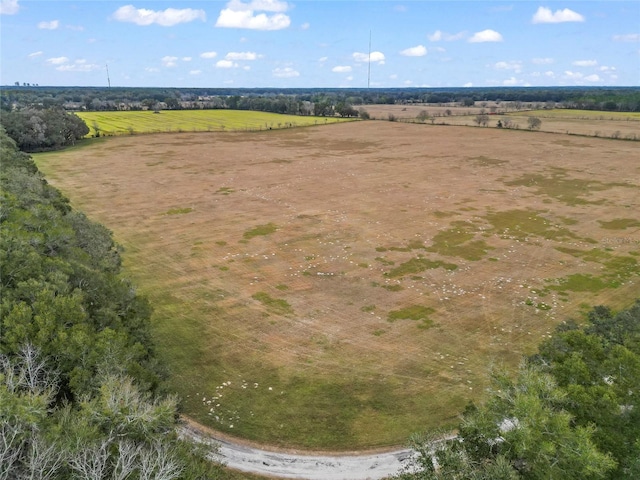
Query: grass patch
{"x":455,"y":242}
{"x":260,"y":230}
{"x":225,"y":190}
{"x":413,"y":312}
{"x":275,"y":305}
{"x":393,"y":288}
{"x":178,"y":211}
{"x":619,"y":223}
{"x":483,"y":161}
{"x":417,"y":265}
{"x":525,"y":223}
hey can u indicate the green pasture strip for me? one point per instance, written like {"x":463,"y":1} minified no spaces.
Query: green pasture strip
{"x":136,"y":122}
{"x":577,"y":114}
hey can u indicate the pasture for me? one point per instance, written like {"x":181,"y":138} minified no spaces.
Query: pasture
{"x":618,"y":125}
{"x":137,"y":122}
{"x":344,"y":286}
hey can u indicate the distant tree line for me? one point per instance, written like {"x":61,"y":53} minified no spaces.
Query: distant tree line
{"x":571,"y":412}
{"x":80,"y":388}
{"x":303,"y":101}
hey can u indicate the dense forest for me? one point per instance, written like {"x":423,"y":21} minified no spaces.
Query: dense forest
{"x":80,"y":389}
{"x":307,"y":101}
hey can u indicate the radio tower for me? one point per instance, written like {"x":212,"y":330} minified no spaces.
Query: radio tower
{"x":369,"y":72}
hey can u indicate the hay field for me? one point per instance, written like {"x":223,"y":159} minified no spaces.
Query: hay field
{"x":343,"y":286}
{"x":137,"y":122}
{"x":619,"y":125}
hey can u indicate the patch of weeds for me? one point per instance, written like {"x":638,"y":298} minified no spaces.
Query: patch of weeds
{"x":579,"y":282}
{"x":399,"y":249}
{"x":306,"y":273}
{"x":282,"y":287}
{"x":455,"y":242}
{"x":281,"y":160}
{"x":418,"y":265}
{"x":225,"y":190}
{"x":413,"y":312}
{"x":416,"y":278}
{"x":493,"y":259}
{"x":381,"y":249}
{"x":528,"y":301}
{"x":308,"y":258}
{"x":415,"y":245}
{"x":620,"y":223}
{"x":384,"y":261}
{"x":393,"y":288}
{"x":363,"y":265}
{"x":525,"y":223}
{"x":260,"y":230}
{"x":543,"y":306}
{"x":568,"y":220}
{"x":276,"y":305}
{"x":368,"y":308}
{"x":223,"y":268}
{"x":439,"y":214}
{"x":559,"y":186}
{"x":178,"y":211}
{"x":221,"y":243}
{"x":379,"y":332}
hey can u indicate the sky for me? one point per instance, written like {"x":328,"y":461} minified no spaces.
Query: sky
{"x":319,"y":43}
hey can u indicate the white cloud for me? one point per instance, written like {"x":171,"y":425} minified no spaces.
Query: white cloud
{"x":468,"y":85}
{"x":195,"y":72}
{"x":439,"y":35}
{"x":486,"y":36}
{"x":542,"y":61}
{"x":341,"y":69}
{"x":57,"y":60}
{"x":585,"y":63}
{"x":630,"y":37}
{"x":572,"y":75}
{"x":35,"y":54}
{"x":186,"y":59}
{"x":238,"y":14}
{"x":165,"y":18}
{"x":305,"y":26}
{"x":168,"y":61}
{"x":286,"y":72}
{"x":393,"y":77}
{"x":151,"y":70}
{"x":604,"y":68}
{"x":592,"y":78}
{"x":208,"y":55}
{"x":52,"y":25}
{"x":349,"y":78}
{"x":80,"y":65}
{"x":544,"y":15}
{"x":323,"y":59}
{"x":510,"y":82}
{"x":513,"y":65}
{"x":364,"y":58}
{"x":242,"y":56}
{"x":9,"y":7}
{"x":550,"y":74}
{"x":226,"y":64}
{"x":417,"y":51}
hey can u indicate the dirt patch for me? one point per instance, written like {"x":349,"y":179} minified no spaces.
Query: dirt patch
{"x":276,"y":261}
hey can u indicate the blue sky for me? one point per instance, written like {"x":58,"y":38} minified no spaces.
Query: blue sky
{"x":318,"y":43}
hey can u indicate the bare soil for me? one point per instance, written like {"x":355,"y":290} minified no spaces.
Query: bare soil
{"x":367,"y":219}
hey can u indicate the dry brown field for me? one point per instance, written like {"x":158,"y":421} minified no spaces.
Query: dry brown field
{"x":586,"y":123}
{"x":344,"y":286}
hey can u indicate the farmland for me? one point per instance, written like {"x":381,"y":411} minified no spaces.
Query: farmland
{"x":344,"y":286}
{"x":137,"y":122}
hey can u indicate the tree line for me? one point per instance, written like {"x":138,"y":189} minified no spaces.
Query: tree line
{"x":81,"y":392}
{"x":301,"y":101}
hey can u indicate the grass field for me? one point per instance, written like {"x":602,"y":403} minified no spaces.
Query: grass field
{"x":344,"y":286}
{"x":136,"y":122}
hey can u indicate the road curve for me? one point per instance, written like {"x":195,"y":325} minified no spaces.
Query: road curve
{"x":357,"y":466}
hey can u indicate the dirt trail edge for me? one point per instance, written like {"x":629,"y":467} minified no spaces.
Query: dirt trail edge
{"x":366,"y":466}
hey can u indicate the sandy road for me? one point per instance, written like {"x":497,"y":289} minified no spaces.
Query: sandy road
{"x":365,"y":466}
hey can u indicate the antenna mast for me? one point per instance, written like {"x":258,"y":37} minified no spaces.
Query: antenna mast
{"x":108,"y":79}
{"x":369,"y":72}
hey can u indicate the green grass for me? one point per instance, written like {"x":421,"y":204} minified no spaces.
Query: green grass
{"x":178,"y":211}
{"x":413,"y":312}
{"x":619,"y":223}
{"x":456,"y":242}
{"x":260,"y":230}
{"x":276,"y":305}
{"x":136,"y":122}
{"x":525,"y":223}
{"x":417,"y":265}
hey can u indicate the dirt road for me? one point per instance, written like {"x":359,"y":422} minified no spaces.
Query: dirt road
{"x":367,"y":466}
